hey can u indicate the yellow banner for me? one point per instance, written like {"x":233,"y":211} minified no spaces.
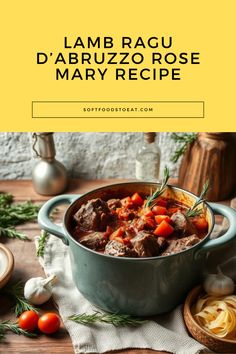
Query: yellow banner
{"x":125,"y":66}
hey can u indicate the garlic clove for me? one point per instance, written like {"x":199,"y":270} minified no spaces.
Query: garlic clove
{"x":38,"y":290}
{"x":218,"y":284}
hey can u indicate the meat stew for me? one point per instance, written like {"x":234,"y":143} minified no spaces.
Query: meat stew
{"x":126,"y":227}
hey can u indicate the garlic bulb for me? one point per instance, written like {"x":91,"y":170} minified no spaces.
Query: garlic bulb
{"x":38,"y":290}
{"x":218,"y":284}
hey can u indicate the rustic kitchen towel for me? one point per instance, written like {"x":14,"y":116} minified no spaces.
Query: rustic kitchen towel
{"x":166,"y":333}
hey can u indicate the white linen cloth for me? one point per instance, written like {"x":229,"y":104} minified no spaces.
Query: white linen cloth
{"x":167,"y":333}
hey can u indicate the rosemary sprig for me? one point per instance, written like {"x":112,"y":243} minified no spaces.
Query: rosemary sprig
{"x":114,"y":319}
{"x":15,"y":291}
{"x":8,"y":326}
{"x":42,"y":243}
{"x":193,"y":211}
{"x":12,"y":233}
{"x":182,"y":140}
{"x":15,"y":214}
{"x":5,"y":199}
{"x":159,"y":191}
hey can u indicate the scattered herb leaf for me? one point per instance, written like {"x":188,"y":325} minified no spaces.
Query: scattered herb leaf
{"x":159,"y":191}
{"x":42,"y":243}
{"x":114,"y":319}
{"x":8,"y":326}
{"x":15,"y":214}
{"x":16,"y":292}
{"x":182,"y":140}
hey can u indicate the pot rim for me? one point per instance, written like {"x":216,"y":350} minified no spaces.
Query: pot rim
{"x":196,"y":246}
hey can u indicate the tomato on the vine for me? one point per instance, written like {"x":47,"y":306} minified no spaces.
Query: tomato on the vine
{"x":28,"y":320}
{"x":49,"y":323}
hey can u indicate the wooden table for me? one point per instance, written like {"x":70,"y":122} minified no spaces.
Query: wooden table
{"x":27,"y":266}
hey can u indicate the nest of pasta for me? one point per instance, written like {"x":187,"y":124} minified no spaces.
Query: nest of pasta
{"x":211,"y":320}
{"x":217,"y":315}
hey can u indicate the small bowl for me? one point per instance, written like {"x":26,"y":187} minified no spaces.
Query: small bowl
{"x":6,"y":265}
{"x":211,"y":341}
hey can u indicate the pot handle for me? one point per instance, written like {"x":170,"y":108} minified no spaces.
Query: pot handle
{"x":44,"y":215}
{"x":229,"y":235}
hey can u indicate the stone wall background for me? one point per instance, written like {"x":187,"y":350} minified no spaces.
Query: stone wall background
{"x":85,"y":155}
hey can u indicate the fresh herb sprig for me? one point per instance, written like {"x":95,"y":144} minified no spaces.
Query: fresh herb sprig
{"x":114,"y":319}
{"x":159,"y":191}
{"x":42,"y":243}
{"x":15,"y":291}
{"x":182,"y":140}
{"x":15,"y":214}
{"x":12,"y":233}
{"x":193,"y":211}
{"x":5,"y":199}
{"x":13,"y":327}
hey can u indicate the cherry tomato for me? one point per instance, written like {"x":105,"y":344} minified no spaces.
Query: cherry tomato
{"x":49,"y":323}
{"x":28,"y":320}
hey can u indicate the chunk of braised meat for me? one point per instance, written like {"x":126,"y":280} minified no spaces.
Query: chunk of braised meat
{"x":94,"y":215}
{"x":94,"y":240}
{"x":181,"y":244}
{"x":145,"y":244}
{"x":114,"y":203}
{"x":163,"y":244}
{"x":182,"y":224}
{"x":118,"y":249}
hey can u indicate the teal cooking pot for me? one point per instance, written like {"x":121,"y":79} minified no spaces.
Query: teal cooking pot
{"x":135,"y":286}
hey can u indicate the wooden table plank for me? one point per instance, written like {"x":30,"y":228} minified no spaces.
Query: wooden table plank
{"x":23,"y":189}
{"x":27,"y":266}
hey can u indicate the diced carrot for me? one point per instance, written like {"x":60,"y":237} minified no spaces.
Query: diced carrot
{"x":160,"y":218}
{"x":136,"y":199}
{"x":159,"y":210}
{"x":200,"y":223}
{"x":118,"y":233}
{"x":164,"y":229}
